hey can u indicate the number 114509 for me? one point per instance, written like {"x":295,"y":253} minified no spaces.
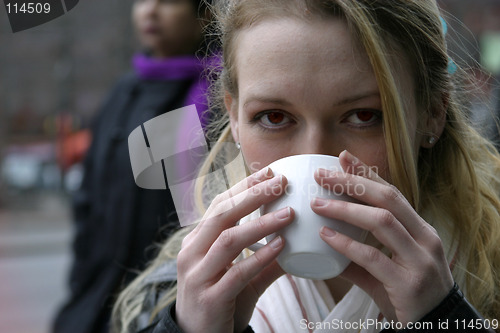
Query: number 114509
{"x":28,"y":8}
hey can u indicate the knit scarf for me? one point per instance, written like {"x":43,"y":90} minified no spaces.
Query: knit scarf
{"x":187,"y":67}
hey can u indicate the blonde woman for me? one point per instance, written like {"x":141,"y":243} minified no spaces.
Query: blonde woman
{"x":371,"y":82}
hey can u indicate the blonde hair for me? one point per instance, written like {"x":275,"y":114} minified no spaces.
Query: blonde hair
{"x":456,"y":184}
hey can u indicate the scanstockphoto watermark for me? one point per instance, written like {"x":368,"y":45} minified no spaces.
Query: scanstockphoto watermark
{"x":457,"y":325}
{"x":339,"y":324}
{"x":313,"y":189}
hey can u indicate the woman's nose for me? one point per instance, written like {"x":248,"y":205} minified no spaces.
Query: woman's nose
{"x":321,"y":141}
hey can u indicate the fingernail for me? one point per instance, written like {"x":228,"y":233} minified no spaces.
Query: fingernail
{"x":327,"y":232}
{"x":276,"y":181}
{"x":319,"y":202}
{"x":282,"y":214}
{"x":276,"y":243}
{"x":264,"y":173}
{"x":351,"y":159}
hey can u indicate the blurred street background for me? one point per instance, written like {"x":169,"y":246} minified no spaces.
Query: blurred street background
{"x":52,"y":80}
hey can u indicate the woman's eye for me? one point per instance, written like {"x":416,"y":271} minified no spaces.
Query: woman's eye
{"x":274,"y":119}
{"x":363,"y":117}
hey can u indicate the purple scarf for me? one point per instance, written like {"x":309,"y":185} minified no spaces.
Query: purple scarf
{"x":178,"y":68}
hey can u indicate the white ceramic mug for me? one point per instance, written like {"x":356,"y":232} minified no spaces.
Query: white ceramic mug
{"x":305,"y":254}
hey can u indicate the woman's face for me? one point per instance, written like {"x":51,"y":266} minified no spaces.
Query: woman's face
{"x":167,"y":27}
{"x":307,"y":88}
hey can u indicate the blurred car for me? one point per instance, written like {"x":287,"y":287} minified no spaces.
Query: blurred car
{"x":32,"y":166}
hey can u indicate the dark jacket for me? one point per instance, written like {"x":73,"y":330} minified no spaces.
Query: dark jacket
{"x":453,"y":314}
{"x":117,"y":223}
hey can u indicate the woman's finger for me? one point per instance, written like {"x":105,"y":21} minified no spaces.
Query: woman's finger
{"x":366,"y":256}
{"x":231,"y":241}
{"x":241,"y":273}
{"x":243,"y":185}
{"x":228,"y":212}
{"x":268,"y":276}
{"x":378,"y":195}
{"x":353,"y":165}
{"x":256,"y":178}
{"x":360,"y":277}
{"x":380,"y":222}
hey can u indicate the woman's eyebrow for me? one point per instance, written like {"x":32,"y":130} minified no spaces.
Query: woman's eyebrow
{"x":355,"y":98}
{"x":266,"y":100}
{"x":280,"y":101}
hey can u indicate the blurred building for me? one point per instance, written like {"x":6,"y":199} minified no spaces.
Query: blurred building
{"x":65,"y":66}
{"x":54,"y":77}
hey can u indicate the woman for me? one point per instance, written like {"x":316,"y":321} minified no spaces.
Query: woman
{"x":369,"y":81}
{"x":117,"y":223}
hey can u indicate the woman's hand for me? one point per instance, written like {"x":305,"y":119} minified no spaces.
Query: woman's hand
{"x":215,"y":295}
{"x":416,"y":277}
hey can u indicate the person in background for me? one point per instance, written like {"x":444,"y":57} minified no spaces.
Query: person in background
{"x":369,"y":81}
{"x":116,"y":222}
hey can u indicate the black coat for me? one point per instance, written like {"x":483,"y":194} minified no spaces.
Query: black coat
{"x":117,"y":223}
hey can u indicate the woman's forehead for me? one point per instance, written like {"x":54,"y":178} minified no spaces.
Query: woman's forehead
{"x":274,"y":52}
